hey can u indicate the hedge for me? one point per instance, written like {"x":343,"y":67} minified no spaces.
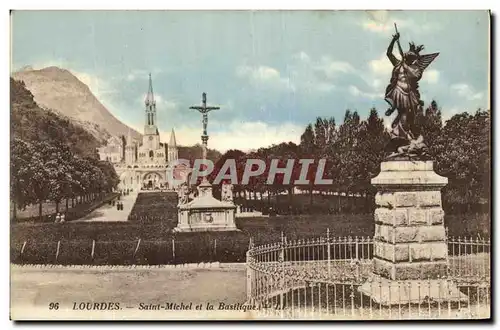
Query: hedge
{"x":197,"y":247}
{"x":116,"y":242}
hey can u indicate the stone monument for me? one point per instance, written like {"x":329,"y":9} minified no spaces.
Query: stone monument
{"x":409,"y":250}
{"x":204,"y":212}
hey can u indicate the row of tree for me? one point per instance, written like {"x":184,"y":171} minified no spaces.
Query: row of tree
{"x":354,"y":150}
{"x":41,"y":171}
{"x":51,"y":158}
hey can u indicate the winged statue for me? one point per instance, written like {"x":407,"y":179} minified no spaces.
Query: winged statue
{"x":403,"y":95}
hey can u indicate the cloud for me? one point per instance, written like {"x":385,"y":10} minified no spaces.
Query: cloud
{"x":317,"y":74}
{"x":332,"y":67}
{"x":325,"y":87}
{"x":141,"y":74}
{"x":355,"y":91}
{"x":381,"y":66}
{"x":264,"y":75}
{"x":302,"y":56}
{"x":450,"y":112}
{"x":99,"y":86}
{"x":240,"y":135}
{"x":163,"y":105}
{"x":466,"y":91}
{"x":381,"y":22}
{"x":258,"y":73}
{"x":133,"y":76}
{"x":431,"y":76}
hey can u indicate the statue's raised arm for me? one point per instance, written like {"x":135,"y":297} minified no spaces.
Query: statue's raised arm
{"x":402,"y":93}
{"x":390,"y":49}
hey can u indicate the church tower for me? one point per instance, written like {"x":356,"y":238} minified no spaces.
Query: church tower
{"x":151,"y":138}
{"x":173,"y":153}
{"x":130,"y":149}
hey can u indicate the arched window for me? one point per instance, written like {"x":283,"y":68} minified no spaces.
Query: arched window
{"x":151,"y":154}
{"x":149,"y":119}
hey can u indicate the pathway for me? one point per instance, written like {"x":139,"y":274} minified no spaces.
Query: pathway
{"x":110,"y":213}
{"x":34,"y":289}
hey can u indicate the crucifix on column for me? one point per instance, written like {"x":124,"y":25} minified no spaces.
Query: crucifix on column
{"x":204,"y":110}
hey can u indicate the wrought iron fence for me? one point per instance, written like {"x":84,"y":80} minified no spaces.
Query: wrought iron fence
{"x":329,"y":277}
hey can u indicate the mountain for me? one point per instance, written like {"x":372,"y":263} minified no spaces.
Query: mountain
{"x":31,"y":124}
{"x":59,"y":90}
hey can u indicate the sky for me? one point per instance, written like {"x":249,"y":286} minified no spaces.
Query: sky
{"x":271,"y":72}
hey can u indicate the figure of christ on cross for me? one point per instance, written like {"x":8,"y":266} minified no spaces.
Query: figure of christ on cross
{"x":204,"y":110}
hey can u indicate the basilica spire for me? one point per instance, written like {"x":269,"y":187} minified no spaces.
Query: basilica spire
{"x":173,"y":152}
{"x":150,"y":120}
{"x":150,"y":99}
{"x":173,"y":142}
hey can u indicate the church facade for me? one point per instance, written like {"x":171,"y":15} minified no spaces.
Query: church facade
{"x":143,"y":164}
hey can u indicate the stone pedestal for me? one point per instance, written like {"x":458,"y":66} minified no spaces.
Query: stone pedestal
{"x":409,"y":250}
{"x":205,"y":213}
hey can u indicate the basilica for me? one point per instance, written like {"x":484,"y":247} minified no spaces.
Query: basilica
{"x":143,"y":164}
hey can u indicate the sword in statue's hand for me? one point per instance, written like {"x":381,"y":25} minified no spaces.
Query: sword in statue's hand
{"x":399,"y":45}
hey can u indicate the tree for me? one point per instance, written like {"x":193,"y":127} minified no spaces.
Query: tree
{"x":20,"y":174}
{"x":309,"y":150}
{"x":462,"y":154}
{"x":111,"y":179}
{"x":40,"y":179}
{"x":82,"y":177}
{"x":317,"y":144}
{"x":283,"y":152}
{"x":433,"y":125}
{"x":307,"y":141}
{"x":349,"y":159}
{"x":58,"y":163}
{"x":239,"y":157}
{"x":373,"y":138}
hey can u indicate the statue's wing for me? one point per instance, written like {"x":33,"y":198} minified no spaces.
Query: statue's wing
{"x":424,"y":60}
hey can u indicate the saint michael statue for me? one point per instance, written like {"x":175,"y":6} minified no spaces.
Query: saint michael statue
{"x":402,"y":95}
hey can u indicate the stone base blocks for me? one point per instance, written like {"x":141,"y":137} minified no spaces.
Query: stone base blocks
{"x":387,"y":292}
{"x":410,"y":237}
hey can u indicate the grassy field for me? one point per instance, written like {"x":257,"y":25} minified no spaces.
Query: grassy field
{"x":261,"y":229}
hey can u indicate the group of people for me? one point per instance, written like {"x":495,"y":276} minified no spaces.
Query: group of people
{"x":59,"y":218}
{"x":119,"y":205}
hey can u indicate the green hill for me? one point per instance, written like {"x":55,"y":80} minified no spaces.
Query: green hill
{"x":31,"y":123}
